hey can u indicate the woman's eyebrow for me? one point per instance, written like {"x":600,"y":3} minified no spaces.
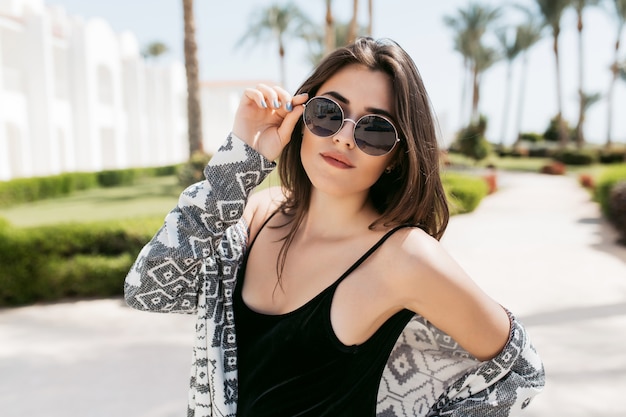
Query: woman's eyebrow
{"x":337,"y":96}
{"x":344,"y":100}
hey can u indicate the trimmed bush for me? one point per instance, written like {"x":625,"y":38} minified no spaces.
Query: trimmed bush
{"x":575,"y":157}
{"x":612,"y":156}
{"x":193,"y":171}
{"x":114,"y":178}
{"x":71,"y":260}
{"x":617,"y":208}
{"x":605,"y":182}
{"x":471,"y":141}
{"x":464,"y":192}
{"x":26,"y":190}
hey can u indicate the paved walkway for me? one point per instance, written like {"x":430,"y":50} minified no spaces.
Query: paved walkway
{"x":538,"y":246}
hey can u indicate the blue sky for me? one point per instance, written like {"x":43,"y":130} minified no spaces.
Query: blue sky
{"x":417,"y":25}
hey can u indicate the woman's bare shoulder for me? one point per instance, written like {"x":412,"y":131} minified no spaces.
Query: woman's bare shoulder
{"x":430,"y":282}
{"x":261,"y":205}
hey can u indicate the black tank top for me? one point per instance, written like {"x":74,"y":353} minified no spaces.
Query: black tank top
{"x":293,"y":364}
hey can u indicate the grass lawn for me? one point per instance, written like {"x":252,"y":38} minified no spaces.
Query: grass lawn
{"x":506,"y":163}
{"x":149,"y":197}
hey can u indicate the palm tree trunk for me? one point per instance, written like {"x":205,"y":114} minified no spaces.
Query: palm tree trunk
{"x":609,"y":96}
{"x":194,"y":113}
{"x":563,"y":139}
{"x":353,"y":23}
{"x":329,"y":31}
{"x":507,"y":102}
{"x":466,"y":82}
{"x":580,"y":134}
{"x":475,"y":95}
{"x":522,"y":97}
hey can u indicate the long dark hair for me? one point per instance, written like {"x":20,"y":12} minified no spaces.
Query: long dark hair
{"x":412,"y":193}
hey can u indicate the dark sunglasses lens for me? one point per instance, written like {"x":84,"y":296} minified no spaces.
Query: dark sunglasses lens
{"x":323,"y":117}
{"x":375,"y":135}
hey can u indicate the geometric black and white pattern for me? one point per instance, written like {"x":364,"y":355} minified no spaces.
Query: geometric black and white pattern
{"x":190,"y":266}
{"x":429,"y":374}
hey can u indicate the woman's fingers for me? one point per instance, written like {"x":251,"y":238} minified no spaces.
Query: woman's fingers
{"x":256,"y":96}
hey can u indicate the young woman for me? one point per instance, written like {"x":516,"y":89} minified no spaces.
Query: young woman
{"x":331,"y":295}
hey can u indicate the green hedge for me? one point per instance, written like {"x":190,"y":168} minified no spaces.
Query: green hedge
{"x":575,"y":157}
{"x":50,"y":263}
{"x":605,"y":182}
{"x":26,"y":190}
{"x":464,"y":192}
{"x":72,"y":260}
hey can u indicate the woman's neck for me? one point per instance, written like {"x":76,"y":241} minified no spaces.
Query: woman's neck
{"x":333,"y":217}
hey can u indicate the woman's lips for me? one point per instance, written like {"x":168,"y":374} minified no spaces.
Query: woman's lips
{"x":337,"y":160}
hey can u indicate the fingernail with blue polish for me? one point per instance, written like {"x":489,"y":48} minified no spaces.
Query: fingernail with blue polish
{"x":289,"y":106}
{"x":276,"y":104}
{"x":264,"y":104}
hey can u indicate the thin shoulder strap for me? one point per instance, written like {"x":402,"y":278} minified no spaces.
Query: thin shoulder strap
{"x":371,"y":250}
{"x":265,"y":222}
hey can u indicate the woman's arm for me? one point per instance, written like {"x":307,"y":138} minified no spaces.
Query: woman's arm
{"x":166,"y":275}
{"x":433,"y":285}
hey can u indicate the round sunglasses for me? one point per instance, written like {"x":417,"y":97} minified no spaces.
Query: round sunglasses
{"x":373,"y":134}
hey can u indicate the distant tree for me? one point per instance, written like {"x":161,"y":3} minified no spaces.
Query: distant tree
{"x":469,"y":26}
{"x":587,"y":101}
{"x":484,"y":58}
{"x":194,"y":113}
{"x":154,"y":50}
{"x":528,"y":34}
{"x":579,"y":6}
{"x":510,"y":48}
{"x":552,"y":10}
{"x":277,"y":23}
{"x":471,"y":140}
{"x":315,"y":41}
{"x":620,"y":14}
{"x":354,"y":22}
{"x":329,"y":29}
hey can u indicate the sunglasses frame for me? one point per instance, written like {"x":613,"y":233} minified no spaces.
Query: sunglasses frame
{"x":355,"y":123}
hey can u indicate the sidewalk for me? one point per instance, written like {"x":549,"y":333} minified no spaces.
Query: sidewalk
{"x":538,"y":246}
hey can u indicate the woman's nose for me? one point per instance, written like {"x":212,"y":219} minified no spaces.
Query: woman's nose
{"x":345,"y":134}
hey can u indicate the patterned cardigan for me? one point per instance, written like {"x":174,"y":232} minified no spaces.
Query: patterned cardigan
{"x":191,"y":264}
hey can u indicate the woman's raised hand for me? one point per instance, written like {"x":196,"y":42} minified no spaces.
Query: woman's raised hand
{"x":266,"y":118}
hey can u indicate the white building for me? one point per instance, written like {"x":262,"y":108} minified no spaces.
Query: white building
{"x":75,"y":96}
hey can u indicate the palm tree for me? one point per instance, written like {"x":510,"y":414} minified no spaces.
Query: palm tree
{"x":620,"y":9}
{"x":329,"y":29}
{"x":277,"y":23}
{"x":354,"y":22}
{"x":154,"y":50}
{"x":510,"y":50}
{"x":587,"y":101}
{"x":580,"y":5}
{"x":316,"y":43}
{"x":528,"y":34}
{"x":470,"y":25}
{"x":552,"y":10}
{"x":484,"y":58}
{"x":194,"y":114}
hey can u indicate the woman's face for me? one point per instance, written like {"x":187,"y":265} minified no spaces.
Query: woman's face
{"x":335,"y":165}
